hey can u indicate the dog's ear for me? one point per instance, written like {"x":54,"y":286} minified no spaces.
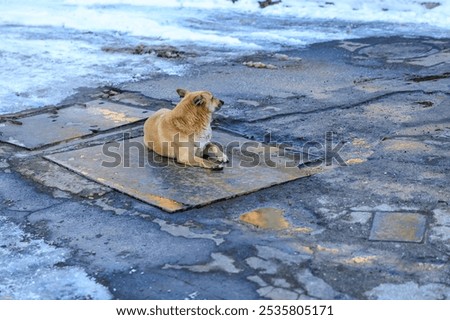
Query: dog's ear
{"x":182,"y":92}
{"x":199,"y":100}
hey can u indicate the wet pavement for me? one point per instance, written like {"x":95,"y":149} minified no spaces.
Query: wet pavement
{"x":371,"y":220}
{"x":55,"y":125}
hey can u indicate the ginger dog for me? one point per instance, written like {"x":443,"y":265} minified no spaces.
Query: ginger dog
{"x":184,"y":133}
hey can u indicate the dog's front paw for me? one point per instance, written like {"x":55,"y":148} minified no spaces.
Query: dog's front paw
{"x":217,"y":167}
{"x":223,"y":159}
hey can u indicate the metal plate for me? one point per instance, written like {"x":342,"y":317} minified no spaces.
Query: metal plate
{"x":130,"y":168}
{"x":398,"y":50}
{"x":42,"y":129}
{"x":398,"y":226}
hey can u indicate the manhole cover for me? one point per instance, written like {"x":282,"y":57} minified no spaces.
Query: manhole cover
{"x":398,"y":226}
{"x":401,"y":50}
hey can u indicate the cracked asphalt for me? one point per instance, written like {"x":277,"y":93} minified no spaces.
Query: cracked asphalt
{"x":373,"y":224}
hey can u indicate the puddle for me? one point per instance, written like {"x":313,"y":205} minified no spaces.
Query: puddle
{"x":266,"y":218}
{"x":272,"y":219}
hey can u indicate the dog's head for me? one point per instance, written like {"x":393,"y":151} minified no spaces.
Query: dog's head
{"x":201,"y":99}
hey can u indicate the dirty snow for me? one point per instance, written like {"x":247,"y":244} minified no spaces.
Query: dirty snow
{"x":50,"y":48}
{"x":33,"y":269}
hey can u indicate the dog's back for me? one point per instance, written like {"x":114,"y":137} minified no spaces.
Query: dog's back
{"x":156,"y":135}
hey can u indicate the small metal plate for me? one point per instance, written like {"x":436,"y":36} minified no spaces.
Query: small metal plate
{"x":129,"y":167}
{"x":405,"y":50}
{"x":42,"y":129}
{"x":398,"y":226}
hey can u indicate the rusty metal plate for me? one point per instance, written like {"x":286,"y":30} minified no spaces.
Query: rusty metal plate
{"x":129,"y":167}
{"x":398,"y":226}
{"x":42,"y":129}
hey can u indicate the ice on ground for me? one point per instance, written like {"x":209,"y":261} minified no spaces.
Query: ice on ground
{"x":44,"y":65}
{"x":49,"y":48}
{"x":410,"y":291}
{"x":29,"y":270}
{"x":400,"y":11}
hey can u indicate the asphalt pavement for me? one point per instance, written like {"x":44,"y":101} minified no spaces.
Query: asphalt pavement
{"x":368,"y":217}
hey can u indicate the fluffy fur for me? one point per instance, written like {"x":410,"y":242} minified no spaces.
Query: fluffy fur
{"x":184,"y":133}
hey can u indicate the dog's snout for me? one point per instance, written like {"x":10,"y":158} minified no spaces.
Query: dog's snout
{"x":221,"y":103}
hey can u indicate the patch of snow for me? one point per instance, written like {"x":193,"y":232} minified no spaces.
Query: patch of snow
{"x":50,"y":48}
{"x":29,"y":270}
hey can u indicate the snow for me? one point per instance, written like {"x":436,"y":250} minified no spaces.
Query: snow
{"x":28,"y":270}
{"x":50,"y":48}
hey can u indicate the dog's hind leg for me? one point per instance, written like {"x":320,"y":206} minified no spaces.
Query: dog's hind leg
{"x":213,"y":152}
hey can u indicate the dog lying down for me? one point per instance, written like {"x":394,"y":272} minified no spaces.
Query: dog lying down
{"x":184,"y":133}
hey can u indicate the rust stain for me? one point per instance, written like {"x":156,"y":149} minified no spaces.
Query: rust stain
{"x":266,"y":218}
